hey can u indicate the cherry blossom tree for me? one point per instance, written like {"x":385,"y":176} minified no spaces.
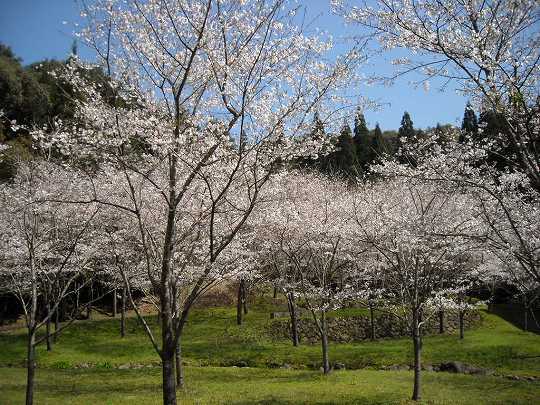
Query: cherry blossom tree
{"x":302,"y":232}
{"x":506,"y":201}
{"x":417,"y":229}
{"x":208,"y":98}
{"x":489,"y":49}
{"x":46,"y":248}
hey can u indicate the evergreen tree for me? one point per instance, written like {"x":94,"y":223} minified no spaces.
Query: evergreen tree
{"x":406,"y":130}
{"x":363,"y":149}
{"x":344,"y":158}
{"x":377,"y":143}
{"x":317,"y":134}
{"x":469,"y":125}
{"x":360,"y":127}
{"x":405,"y":133}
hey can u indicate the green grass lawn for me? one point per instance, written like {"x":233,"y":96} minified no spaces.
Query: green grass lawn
{"x":227,"y":385}
{"x":213,"y":339}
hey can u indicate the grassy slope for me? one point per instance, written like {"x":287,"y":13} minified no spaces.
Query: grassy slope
{"x":209,"y":385}
{"x":212,"y":338}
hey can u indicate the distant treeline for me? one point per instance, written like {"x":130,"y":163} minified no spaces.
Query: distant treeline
{"x":36,"y":95}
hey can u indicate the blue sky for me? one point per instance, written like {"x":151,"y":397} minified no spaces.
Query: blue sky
{"x":35,"y":30}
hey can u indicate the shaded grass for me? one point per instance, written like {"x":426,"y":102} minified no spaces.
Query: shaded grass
{"x":212,"y":338}
{"x":210,"y":385}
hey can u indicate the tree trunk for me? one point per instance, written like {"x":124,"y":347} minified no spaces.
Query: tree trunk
{"x":179,"y":366}
{"x":48,"y":327}
{"x":244,"y":297}
{"x":461,"y":324}
{"x":441,"y":321}
{"x":57,"y":320}
{"x":417,"y":345}
{"x":123,"y":314}
{"x":526,"y":318}
{"x":114,"y":304}
{"x":324,"y":343}
{"x":294,"y":321}
{"x":239,"y":304}
{"x":275,"y":292}
{"x":30,"y":368}
{"x":167,"y":343}
{"x":89,"y":306}
{"x":168,"y":374}
{"x":372,"y":320}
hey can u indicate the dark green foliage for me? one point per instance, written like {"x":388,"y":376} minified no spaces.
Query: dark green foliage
{"x":363,"y":146}
{"x":34,"y":96}
{"x":377,"y":143}
{"x":469,"y":125}
{"x":406,"y":131}
{"x":494,"y":129}
{"x":343,"y":160}
{"x":317,"y":134}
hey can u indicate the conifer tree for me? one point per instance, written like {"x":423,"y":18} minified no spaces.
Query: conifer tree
{"x":406,"y":130}
{"x":406,"y":133}
{"x":377,"y":143}
{"x":344,"y":158}
{"x":317,"y":134}
{"x":469,"y":125}
{"x":363,"y":149}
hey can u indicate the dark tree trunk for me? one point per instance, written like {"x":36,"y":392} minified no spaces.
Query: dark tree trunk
{"x":48,"y":327}
{"x":179,"y":366}
{"x":294,"y":320}
{"x":114,"y":311}
{"x":239,"y":308}
{"x":275,"y":292}
{"x":461,"y":324}
{"x":168,"y":343}
{"x":57,"y":320}
{"x":123,"y":314}
{"x":441,"y":321}
{"x":89,"y":306}
{"x":30,"y":368}
{"x":526,"y":318}
{"x":372,"y":320}
{"x":417,"y":345}
{"x":324,"y":343}
{"x":168,"y":374}
{"x":77,"y":297}
{"x":244,"y":297}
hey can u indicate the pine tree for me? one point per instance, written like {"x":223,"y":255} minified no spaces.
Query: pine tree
{"x":317,"y":134}
{"x":469,"y":125}
{"x":406,"y":130}
{"x":377,"y":143}
{"x":364,"y":152}
{"x":344,"y":158}
{"x":360,"y":127}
